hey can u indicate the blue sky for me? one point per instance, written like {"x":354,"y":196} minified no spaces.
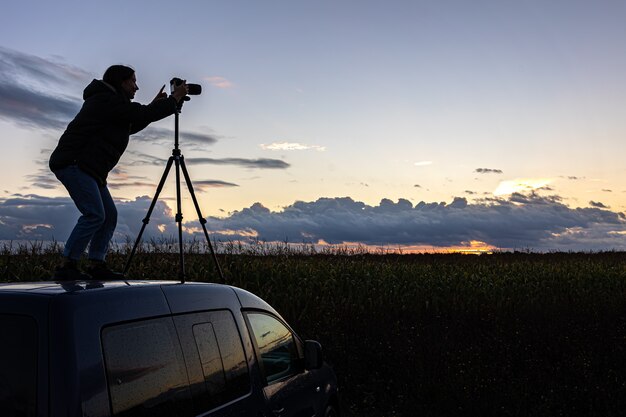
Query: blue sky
{"x":413,"y":123}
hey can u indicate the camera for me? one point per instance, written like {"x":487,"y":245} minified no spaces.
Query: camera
{"x":192,"y":89}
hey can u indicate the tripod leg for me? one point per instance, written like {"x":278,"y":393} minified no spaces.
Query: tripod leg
{"x":179,"y":220}
{"x":200,"y":218}
{"x":146,"y":220}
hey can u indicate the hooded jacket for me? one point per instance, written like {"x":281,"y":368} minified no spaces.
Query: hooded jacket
{"x":98,"y":136}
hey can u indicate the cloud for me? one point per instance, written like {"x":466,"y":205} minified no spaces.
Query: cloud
{"x":261,"y":163}
{"x":118,"y":185}
{"x":35,"y":217}
{"x":31,"y":108}
{"x":423,"y":163}
{"x":488,"y":171}
{"x":166,"y":136}
{"x":598,"y":204}
{"x":526,"y":221}
{"x":120,"y":179}
{"x":139,"y":158}
{"x":523,"y":221}
{"x":18,"y":65}
{"x":219,"y":82}
{"x":24,"y":80}
{"x":43,"y":179}
{"x":204,"y":184}
{"x":291,"y":146}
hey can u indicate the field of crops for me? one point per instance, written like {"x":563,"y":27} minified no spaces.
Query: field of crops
{"x":509,"y":334}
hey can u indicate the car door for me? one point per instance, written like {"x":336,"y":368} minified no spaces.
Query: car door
{"x":146,"y":372}
{"x":289,"y":390}
{"x":219,"y":374}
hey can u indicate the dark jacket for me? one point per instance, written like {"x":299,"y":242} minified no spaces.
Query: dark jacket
{"x":98,"y":136}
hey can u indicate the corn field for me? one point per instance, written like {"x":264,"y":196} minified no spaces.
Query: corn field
{"x":506,"y":334}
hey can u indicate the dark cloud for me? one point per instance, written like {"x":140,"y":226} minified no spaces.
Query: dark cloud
{"x":598,"y":204}
{"x":131,"y":213}
{"x":534,"y":198}
{"x":213,"y":184}
{"x":139,"y":158}
{"x":43,"y":179}
{"x":470,"y":192}
{"x":488,"y":171}
{"x":17,"y":64}
{"x":521,"y":221}
{"x":607,"y":190}
{"x":122,"y":181}
{"x":22,"y":102}
{"x":117,"y":185}
{"x":32,"y":108}
{"x":34,"y":217}
{"x":261,"y":163}
{"x":528,"y":221}
{"x":417,"y":186}
{"x":166,"y":136}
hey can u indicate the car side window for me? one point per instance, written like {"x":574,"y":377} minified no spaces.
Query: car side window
{"x":146,"y":370}
{"x":276,"y":347}
{"x":216,"y":362}
{"x":18,"y":366}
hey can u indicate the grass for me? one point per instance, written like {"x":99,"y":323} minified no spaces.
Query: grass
{"x":508,"y":334}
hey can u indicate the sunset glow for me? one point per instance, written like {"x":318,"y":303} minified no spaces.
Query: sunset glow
{"x":520,"y":186}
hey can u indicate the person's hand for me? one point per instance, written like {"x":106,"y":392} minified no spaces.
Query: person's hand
{"x":161,"y":94}
{"x":180,"y":91}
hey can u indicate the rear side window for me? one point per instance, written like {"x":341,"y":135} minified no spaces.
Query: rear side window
{"x":211,"y":343}
{"x":275,"y":346}
{"x":145,"y":370}
{"x":18,"y":366}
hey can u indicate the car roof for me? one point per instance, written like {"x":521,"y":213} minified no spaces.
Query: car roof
{"x":56,"y":288}
{"x":182,"y":296}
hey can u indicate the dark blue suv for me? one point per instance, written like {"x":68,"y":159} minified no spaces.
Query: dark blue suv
{"x":154,"y":348}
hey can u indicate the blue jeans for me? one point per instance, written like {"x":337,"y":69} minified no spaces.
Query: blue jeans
{"x":99,"y":216}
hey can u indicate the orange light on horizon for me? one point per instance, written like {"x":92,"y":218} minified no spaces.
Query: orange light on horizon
{"x":476,"y":247}
{"x":473,"y":247}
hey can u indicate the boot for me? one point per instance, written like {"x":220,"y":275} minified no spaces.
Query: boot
{"x":69,"y":272}
{"x":100,"y":271}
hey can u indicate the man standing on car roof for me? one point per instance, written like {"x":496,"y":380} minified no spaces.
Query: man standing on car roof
{"x":88,"y":150}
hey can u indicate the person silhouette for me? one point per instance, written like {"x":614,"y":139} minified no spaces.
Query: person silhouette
{"x":88,"y":150}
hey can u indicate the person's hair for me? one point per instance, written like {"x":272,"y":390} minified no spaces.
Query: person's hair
{"x":115,"y":75}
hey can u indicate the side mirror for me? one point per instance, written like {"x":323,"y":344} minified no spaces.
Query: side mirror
{"x":313,"y":357}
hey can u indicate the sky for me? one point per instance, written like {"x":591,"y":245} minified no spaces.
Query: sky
{"x":422,"y":125}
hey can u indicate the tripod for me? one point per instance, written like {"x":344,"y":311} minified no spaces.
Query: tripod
{"x":179,"y":161}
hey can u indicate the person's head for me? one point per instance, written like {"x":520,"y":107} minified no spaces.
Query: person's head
{"x":122,"y":78}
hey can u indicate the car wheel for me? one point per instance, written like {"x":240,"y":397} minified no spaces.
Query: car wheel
{"x":331,"y":411}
